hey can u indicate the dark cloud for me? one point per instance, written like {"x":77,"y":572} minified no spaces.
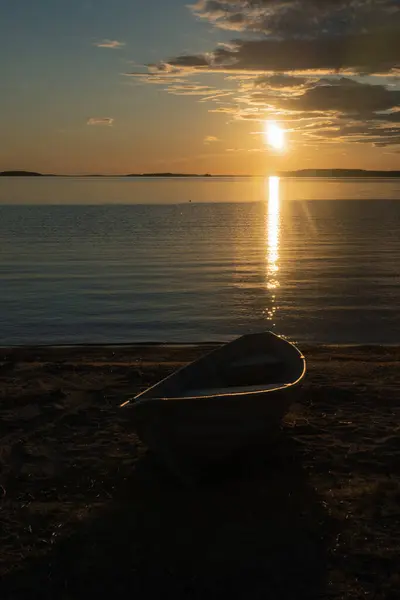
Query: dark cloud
{"x":391,"y":117}
{"x":300,"y":18}
{"x":363,"y":53}
{"x":346,"y":130}
{"x":359,"y":132}
{"x":362,"y":35}
{"x":190,"y":61}
{"x":345,"y":96}
{"x":163,"y":67}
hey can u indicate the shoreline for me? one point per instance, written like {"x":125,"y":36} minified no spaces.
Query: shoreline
{"x":123,"y":345}
{"x":315,"y":515}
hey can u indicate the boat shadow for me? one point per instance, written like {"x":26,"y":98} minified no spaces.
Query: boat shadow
{"x":258,"y":531}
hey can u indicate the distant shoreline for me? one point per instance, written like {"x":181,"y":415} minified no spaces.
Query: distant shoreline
{"x":321,"y":173}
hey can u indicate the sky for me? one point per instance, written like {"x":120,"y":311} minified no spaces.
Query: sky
{"x":122,"y":86}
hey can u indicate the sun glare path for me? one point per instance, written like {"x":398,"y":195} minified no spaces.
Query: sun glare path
{"x":273,"y":233}
{"x":273,"y":224}
{"x":274,"y":135}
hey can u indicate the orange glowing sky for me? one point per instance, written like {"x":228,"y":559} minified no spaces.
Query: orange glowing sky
{"x":107,"y":88}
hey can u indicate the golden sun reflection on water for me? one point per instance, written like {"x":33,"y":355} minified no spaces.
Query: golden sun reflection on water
{"x":272,"y":191}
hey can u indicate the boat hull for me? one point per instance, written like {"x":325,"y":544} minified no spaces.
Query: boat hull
{"x":232,"y":398}
{"x":192,"y":436}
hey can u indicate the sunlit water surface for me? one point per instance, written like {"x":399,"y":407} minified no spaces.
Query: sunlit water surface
{"x":187,"y":260}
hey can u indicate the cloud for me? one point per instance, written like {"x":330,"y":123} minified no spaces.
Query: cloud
{"x":177,"y":84}
{"x":346,"y":96}
{"x":328,"y":110}
{"x":113,"y":44}
{"x":209,"y":139}
{"x":280,"y":81}
{"x":356,"y":132}
{"x":161,"y":73}
{"x":155,"y":79}
{"x":390,"y":117}
{"x":299,"y":18}
{"x":305,"y":63}
{"x":359,"y":53}
{"x":215,"y":97}
{"x":100,"y":121}
{"x":362,"y":35}
{"x":196,"y":60}
{"x":191,"y":89}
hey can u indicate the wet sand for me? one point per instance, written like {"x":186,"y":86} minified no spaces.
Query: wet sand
{"x":86,"y":511}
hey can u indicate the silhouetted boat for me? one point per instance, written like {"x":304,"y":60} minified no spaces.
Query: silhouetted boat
{"x":233,"y":397}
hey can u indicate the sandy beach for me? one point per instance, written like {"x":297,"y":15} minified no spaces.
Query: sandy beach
{"x":87,"y":512}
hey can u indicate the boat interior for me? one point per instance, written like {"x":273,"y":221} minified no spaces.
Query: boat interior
{"x":251,"y":363}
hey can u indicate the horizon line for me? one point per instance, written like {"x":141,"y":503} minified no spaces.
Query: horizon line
{"x":168,"y":174}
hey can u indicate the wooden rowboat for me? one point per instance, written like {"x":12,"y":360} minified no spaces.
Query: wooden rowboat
{"x":233,"y":397}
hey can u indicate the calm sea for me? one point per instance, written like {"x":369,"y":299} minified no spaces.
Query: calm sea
{"x":185,"y":260}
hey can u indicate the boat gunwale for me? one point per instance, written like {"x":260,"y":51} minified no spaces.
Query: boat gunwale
{"x":135,"y":400}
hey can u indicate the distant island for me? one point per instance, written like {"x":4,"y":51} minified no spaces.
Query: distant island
{"x":326,"y":173}
{"x":338,"y":173}
{"x":169,"y":175}
{"x":35,"y":174}
{"x":20,"y":174}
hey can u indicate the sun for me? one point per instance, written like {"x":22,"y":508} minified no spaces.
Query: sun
{"x":274,"y":135}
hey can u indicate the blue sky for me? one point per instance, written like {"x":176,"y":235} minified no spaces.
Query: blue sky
{"x":55,"y":79}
